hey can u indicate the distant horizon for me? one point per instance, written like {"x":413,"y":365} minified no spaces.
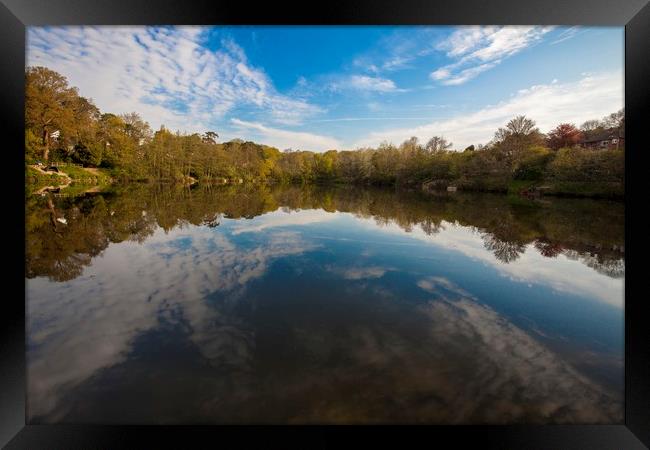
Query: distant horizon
{"x":345,"y":87}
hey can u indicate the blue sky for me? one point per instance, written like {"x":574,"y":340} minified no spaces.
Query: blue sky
{"x":344,"y":87}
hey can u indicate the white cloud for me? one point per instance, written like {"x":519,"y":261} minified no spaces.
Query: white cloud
{"x":359,"y":273}
{"x":364,"y":83}
{"x":568,"y":34}
{"x":438,"y":284}
{"x":397,"y":50}
{"x":288,"y":139}
{"x":396,"y":62}
{"x":462,"y":76}
{"x":441,"y":74}
{"x":592,"y":96}
{"x":478,"y":49}
{"x":279,"y":218}
{"x":165,"y":74}
{"x":514,"y":371}
{"x":372,"y":83}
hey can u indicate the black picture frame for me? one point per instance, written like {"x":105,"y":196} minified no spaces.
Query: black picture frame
{"x":15,"y":15}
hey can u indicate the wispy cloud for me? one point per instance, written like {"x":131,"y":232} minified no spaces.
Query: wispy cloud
{"x":363,"y":83}
{"x":359,"y":273}
{"x":472,"y":49}
{"x":390,"y":63}
{"x":362,"y":119}
{"x":288,"y":139}
{"x":594,"y":95}
{"x":166,"y":74}
{"x":443,"y":285}
{"x":477,"y":49}
{"x":372,"y":83}
{"x":398,"y":50}
{"x":568,"y":34}
{"x":445,"y":75}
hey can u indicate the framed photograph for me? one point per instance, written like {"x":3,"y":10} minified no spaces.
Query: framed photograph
{"x":365,"y":224}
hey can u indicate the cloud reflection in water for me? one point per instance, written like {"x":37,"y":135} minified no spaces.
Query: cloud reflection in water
{"x":339,"y":343}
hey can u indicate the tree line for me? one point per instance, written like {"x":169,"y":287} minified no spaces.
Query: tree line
{"x":61,"y":125}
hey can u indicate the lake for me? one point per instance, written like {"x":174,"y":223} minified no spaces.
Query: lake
{"x":256,"y":304}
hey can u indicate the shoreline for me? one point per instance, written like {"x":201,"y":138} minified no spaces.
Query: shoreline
{"x":531,"y":190}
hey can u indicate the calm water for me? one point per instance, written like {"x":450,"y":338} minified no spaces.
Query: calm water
{"x":314,"y":305}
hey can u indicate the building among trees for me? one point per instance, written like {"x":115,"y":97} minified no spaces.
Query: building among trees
{"x":607,"y":139}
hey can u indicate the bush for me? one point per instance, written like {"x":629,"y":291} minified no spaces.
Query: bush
{"x":531,"y":164}
{"x":576,"y":164}
{"x":88,"y":154}
{"x":33,"y":147}
{"x":60,"y":154}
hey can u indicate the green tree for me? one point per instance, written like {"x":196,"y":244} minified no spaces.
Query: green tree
{"x":210,"y":137}
{"x":136,"y":129}
{"x":88,"y":154}
{"x":518,"y":134}
{"x":49,"y":105}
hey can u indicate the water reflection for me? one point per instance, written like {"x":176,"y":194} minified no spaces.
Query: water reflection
{"x":588,"y":230}
{"x":323,"y":305}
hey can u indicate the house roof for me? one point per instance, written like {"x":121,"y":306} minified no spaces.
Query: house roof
{"x":612,"y":133}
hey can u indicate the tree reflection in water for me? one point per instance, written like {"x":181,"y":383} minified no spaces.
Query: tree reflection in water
{"x":591,"y":231}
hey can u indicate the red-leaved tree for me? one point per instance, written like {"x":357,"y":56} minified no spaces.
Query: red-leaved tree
{"x":564,"y":135}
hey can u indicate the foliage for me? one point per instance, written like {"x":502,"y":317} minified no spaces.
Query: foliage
{"x":564,"y":135}
{"x":531,"y":164}
{"x":33,"y":147}
{"x":572,"y":164}
{"x":615,"y":121}
{"x":519,"y":134}
{"x":48,"y":104}
{"x":80,"y":175}
{"x":88,"y":154}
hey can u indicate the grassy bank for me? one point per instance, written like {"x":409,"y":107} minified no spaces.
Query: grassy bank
{"x":82,"y":178}
{"x":587,"y":189}
{"x":72,"y":178}
{"x":578,"y":189}
{"x":611,"y":190}
{"x":574,"y":189}
{"x":35,"y":180}
{"x":86,"y":175}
